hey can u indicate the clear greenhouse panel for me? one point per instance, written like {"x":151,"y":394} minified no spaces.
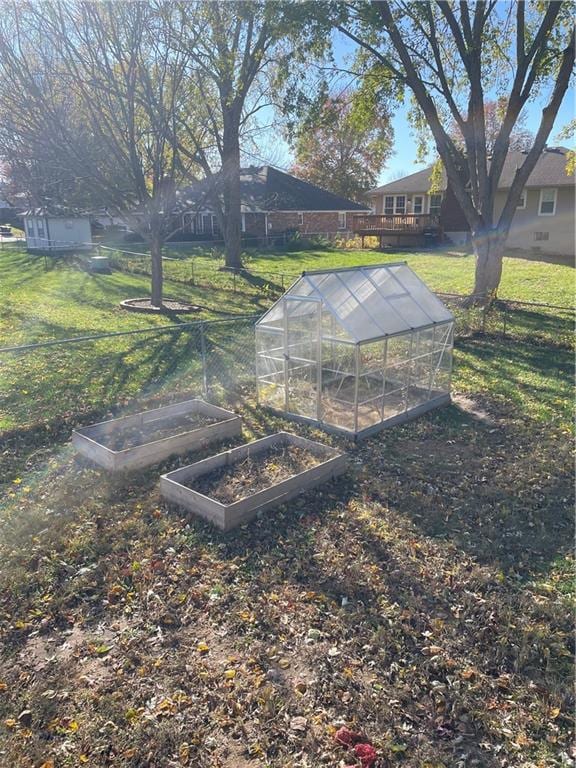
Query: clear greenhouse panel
{"x":352,"y":349}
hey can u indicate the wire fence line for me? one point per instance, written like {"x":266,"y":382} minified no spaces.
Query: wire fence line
{"x":84,"y":378}
{"x":90,"y":375}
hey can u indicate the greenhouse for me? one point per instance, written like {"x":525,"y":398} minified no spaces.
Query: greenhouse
{"x":355,"y":349}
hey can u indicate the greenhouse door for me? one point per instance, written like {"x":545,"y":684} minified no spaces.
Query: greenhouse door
{"x":302,"y":319}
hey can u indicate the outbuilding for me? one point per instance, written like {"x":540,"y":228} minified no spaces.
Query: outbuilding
{"x":55,"y":230}
{"x":354,"y":350}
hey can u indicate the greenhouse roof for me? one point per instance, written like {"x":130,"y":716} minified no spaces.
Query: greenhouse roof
{"x":368,"y":302}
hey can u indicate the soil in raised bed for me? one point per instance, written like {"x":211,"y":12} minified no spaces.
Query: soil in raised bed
{"x":255,"y":473}
{"x":131,"y":436}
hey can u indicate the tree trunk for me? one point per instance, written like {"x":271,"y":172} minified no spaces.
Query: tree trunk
{"x":157,"y":277}
{"x":232,"y":201}
{"x":489,"y":250}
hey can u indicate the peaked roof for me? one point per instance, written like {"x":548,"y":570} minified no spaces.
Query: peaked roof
{"x":264,"y":188}
{"x":55,"y":212}
{"x":368,"y":302}
{"x":550,"y":171}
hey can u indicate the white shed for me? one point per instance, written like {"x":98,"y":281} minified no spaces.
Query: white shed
{"x":54,"y":231}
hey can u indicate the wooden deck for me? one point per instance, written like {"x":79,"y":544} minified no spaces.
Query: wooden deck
{"x":383,"y":224}
{"x":409,"y":229}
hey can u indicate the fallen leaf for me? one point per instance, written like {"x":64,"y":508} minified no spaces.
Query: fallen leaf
{"x":298,"y":723}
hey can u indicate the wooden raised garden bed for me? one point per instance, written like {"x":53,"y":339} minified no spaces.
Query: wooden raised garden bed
{"x":133,"y":442}
{"x":233,"y":487}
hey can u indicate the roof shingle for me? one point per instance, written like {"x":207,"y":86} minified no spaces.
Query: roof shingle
{"x":264,"y":188}
{"x":550,"y":171}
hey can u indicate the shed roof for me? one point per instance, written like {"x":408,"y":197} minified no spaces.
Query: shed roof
{"x":368,"y":302}
{"x":55,"y":212}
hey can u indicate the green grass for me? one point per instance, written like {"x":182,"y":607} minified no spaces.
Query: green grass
{"x":450,"y":538}
{"x":522,"y":280}
{"x":452,"y":272}
{"x":45,"y":386}
{"x":64,"y":300}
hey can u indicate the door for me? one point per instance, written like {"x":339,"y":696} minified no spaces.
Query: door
{"x":303,"y":317}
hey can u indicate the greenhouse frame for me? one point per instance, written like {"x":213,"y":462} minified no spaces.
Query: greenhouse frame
{"x":354,"y":350}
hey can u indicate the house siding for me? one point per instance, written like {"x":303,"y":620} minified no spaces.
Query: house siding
{"x":452,"y":217}
{"x":254,"y":224}
{"x":313,"y":222}
{"x":559,"y":228}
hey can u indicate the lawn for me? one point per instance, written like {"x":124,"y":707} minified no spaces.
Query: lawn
{"x":522,"y":280}
{"x":63,"y":300}
{"x":424,"y":599}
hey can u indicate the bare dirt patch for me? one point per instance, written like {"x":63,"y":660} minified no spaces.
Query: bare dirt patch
{"x":472,"y":409}
{"x":255,"y":473}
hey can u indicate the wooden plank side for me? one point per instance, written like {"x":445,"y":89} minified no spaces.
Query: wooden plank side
{"x":231,"y":515}
{"x":85,"y":439}
{"x":206,"y":508}
{"x":191,"y":471}
{"x":153,"y":453}
{"x":92,"y":450}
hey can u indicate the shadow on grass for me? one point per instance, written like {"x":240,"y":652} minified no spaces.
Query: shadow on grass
{"x":256,"y":281}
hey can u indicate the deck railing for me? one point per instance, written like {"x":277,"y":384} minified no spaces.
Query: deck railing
{"x":398,"y":222}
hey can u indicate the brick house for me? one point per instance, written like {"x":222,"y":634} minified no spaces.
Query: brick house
{"x":273,"y":203}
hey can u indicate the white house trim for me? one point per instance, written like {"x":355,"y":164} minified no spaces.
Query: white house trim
{"x":522,"y":203}
{"x":543,"y":191}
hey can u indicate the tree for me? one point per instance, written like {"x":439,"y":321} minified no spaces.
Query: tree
{"x":449,"y":55}
{"x":229,"y":48}
{"x":520,"y":137}
{"x":569,"y":132}
{"x":97,"y":94}
{"x":240,"y":52}
{"x":340,"y":152}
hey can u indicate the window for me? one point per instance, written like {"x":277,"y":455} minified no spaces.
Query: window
{"x":30,"y":227}
{"x":215,"y":227}
{"x":540,"y":236}
{"x":522,"y":202}
{"x":435,"y":204}
{"x":547,"y":206}
{"x":394,"y":204}
{"x":199,"y":224}
{"x":341,"y":219}
{"x":300,"y":219}
{"x":417,"y":204}
{"x":243,"y":223}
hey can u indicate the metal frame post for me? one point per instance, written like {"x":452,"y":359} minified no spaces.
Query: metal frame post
{"x":319,"y":363}
{"x":203,"y":358}
{"x":356,"y":377}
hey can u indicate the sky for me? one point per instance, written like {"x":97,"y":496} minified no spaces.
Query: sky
{"x":403,"y":158}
